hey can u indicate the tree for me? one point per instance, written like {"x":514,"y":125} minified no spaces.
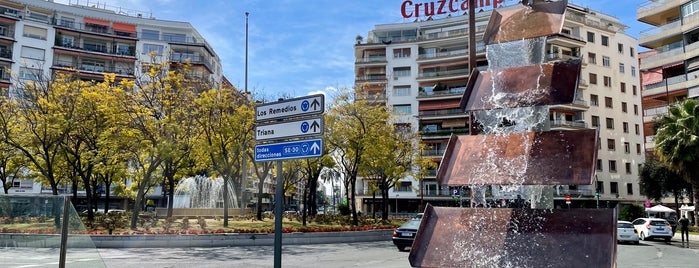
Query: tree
{"x":677,"y":142}
{"x":262,"y":171}
{"x":225,"y":119}
{"x":658,"y":181}
{"x":350,"y":126}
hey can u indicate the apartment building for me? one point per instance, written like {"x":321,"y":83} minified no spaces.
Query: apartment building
{"x":421,"y":70}
{"x":39,"y":38}
{"x":670,"y":67}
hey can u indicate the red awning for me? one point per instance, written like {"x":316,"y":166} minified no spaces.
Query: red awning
{"x":652,"y":77}
{"x":124,"y":27}
{"x":439,"y":105}
{"x":96,"y":21}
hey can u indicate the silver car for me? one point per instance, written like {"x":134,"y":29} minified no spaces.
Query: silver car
{"x":625,"y":232}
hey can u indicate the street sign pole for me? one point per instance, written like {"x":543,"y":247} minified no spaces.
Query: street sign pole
{"x":278,"y":206}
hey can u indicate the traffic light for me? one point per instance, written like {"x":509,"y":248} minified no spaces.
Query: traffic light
{"x":596,"y":194}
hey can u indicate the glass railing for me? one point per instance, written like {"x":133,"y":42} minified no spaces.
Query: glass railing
{"x":44,"y":231}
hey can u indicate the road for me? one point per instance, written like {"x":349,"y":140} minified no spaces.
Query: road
{"x":370,"y":254}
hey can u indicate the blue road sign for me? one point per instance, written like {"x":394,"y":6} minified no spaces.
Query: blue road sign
{"x":288,"y":150}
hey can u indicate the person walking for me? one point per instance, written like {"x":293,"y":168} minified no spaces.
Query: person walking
{"x":684,"y":228}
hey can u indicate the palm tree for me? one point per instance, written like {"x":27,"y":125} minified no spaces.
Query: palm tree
{"x":677,"y":142}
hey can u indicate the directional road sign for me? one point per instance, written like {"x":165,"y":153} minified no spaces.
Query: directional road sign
{"x":308,"y":105}
{"x":288,"y":150}
{"x":289,"y":129}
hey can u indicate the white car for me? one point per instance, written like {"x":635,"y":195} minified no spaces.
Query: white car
{"x":625,"y":232}
{"x":649,"y":228}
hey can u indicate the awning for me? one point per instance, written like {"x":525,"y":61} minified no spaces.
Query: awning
{"x":652,"y":77}
{"x":124,"y":27}
{"x":439,"y":105}
{"x":96,"y":21}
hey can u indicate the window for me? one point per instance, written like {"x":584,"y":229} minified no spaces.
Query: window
{"x":605,"y":61}
{"x":34,"y":32}
{"x":150,"y":34}
{"x":613,"y":187}
{"x":612,"y":166}
{"x":599,"y":164}
{"x":401,"y":53}
{"x":403,"y":109}
{"x":605,"y":41}
{"x":594,"y":100}
{"x":629,"y":188}
{"x":625,"y":126}
{"x":29,"y":74}
{"x":592,"y":58}
{"x":620,"y":48}
{"x":611,"y":145}
{"x":627,"y":147}
{"x":608,"y":102}
{"x":635,"y":109}
{"x":638,"y":131}
{"x":633,"y":71}
{"x":404,"y":186}
{"x":623,"y":107}
{"x":175,"y":37}
{"x":607,"y":81}
{"x":593,"y":79}
{"x":627,"y":166}
{"x":32,"y":53}
{"x":401,"y":71}
{"x":67,"y":22}
{"x":610,"y":123}
{"x":638,"y":148}
{"x":623,"y":87}
{"x":632,"y":53}
{"x":595,"y":121}
{"x":600,"y":187}
{"x":633,"y":89}
{"x":621,"y":68}
{"x":401,"y":91}
{"x":590,"y":37}
{"x":148,"y":48}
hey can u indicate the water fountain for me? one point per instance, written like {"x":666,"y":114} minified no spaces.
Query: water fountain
{"x":202,"y":192}
{"x":515,"y":150}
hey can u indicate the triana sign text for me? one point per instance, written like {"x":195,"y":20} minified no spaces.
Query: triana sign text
{"x":409,"y":9}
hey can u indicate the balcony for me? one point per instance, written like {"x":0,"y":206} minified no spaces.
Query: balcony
{"x":443,"y":55}
{"x":6,"y":33}
{"x":371,"y":59}
{"x":191,"y":59}
{"x":559,"y":57}
{"x":443,"y":74}
{"x":448,"y":113}
{"x":6,"y":54}
{"x":668,"y":54}
{"x":92,"y":68}
{"x":578,"y":124}
{"x":651,"y":37}
{"x":98,"y":49}
{"x":665,"y":86}
{"x":655,"y":12}
{"x":371,"y":78}
{"x":433,"y":152}
{"x":93,"y":28}
{"x":444,"y":132}
{"x":441,"y":93}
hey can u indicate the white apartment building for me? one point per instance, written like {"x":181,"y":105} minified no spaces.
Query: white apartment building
{"x":39,"y":37}
{"x":420,"y":69}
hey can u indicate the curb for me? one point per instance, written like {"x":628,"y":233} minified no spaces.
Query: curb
{"x":180,"y":241}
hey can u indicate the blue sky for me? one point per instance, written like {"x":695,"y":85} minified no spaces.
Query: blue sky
{"x":299,"y":47}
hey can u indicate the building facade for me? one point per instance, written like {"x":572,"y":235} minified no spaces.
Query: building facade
{"x":671,"y":65}
{"x":39,"y":38}
{"x":421,"y":70}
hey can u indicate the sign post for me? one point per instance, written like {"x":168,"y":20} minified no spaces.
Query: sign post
{"x":280,"y":121}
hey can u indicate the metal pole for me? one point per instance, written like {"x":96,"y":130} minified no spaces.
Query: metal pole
{"x":64,"y":232}
{"x":471,"y":53}
{"x":246,"y":51}
{"x":278,"y":217}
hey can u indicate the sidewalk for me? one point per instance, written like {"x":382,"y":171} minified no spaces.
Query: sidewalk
{"x":693,"y":240}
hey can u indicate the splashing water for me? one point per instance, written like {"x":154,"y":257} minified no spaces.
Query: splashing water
{"x":203,"y":192}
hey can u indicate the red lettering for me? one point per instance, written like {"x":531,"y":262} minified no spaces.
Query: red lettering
{"x":404,"y":9}
{"x":441,"y":7}
{"x":417,"y":9}
{"x":429,"y":9}
{"x":496,"y":2}
{"x":451,"y":5}
{"x":464,"y":5}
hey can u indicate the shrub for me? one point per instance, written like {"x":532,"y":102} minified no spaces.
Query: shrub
{"x":344,"y":209}
{"x":631,"y":212}
{"x":202,"y":222}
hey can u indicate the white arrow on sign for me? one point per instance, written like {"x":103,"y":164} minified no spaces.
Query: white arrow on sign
{"x":289,"y":129}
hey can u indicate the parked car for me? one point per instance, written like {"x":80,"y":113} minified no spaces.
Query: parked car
{"x":404,"y":235}
{"x":649,"y":228}
{"x":625,"y":232}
